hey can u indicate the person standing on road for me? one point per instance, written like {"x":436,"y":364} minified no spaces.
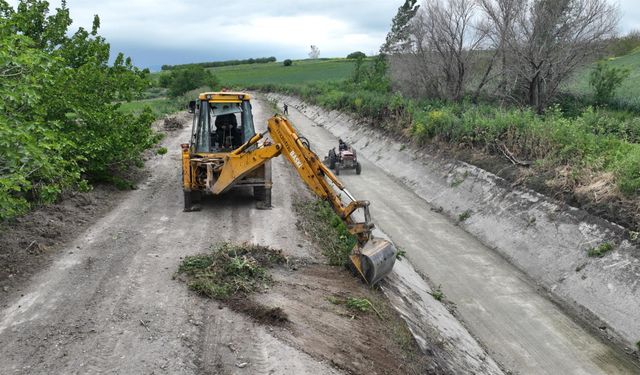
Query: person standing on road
{"x":286,"y":109}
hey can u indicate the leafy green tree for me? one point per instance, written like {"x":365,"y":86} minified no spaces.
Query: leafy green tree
{"x":59,"y":119}
{"x":164,"y":79}
{"x":373,"y":76}
{"x":605,"y":80}
{"x":356,"y":55}
{"x":183,"y":80}
{"x":287,"y":62}
{"x":398,"y":36}
{"x":30,"y":163}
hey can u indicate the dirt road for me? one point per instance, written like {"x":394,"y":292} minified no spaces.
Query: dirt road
{"x":523,"y":330}
{"x":108,"y":303}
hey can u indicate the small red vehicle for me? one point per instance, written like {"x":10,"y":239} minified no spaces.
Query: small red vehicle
{"x":345,"y":158}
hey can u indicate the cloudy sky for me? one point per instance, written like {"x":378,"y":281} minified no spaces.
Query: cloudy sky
{"x":156,"y":32}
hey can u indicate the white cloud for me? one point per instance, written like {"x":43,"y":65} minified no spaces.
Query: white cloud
{"x":225,"y":30}
{"x":173,"y":31}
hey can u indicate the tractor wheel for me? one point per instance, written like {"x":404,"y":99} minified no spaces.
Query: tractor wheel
{"x":191,"y":198}
{"x":332,"y":159}
{"x":358,"y":168}
{"x":196,"y":196}
{"x":187,"y":201}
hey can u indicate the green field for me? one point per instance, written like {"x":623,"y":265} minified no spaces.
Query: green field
{"x":629,"y":92}
{"x":302,"y":71}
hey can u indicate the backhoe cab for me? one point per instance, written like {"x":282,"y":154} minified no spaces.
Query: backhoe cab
{"x":222,"y":121}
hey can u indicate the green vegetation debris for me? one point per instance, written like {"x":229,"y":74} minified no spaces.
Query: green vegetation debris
{"x":229,"y":270}
{"x":600,"y":250}
{"x":465,"y":215}
{"x":162,"y":151}
{"x":359,"y":305}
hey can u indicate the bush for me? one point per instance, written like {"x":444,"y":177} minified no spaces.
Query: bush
{"x":605,"y":79}
{"x":287,"y":62}
{"x":356,"y":55}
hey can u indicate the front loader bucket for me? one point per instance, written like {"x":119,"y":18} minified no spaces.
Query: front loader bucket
{"x":374,"y":260}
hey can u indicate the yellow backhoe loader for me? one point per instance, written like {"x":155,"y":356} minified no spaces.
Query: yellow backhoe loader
{"x":225,"y":153}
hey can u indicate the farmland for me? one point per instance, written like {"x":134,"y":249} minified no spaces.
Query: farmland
{"x":302,"y":71}
{"x":629,"y":91}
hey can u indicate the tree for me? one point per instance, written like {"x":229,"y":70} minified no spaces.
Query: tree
{"x":605,"y":79}
{"x":356,"y":55}
{"x":441,"y":51}
{"x":544,"y":41}
{"x":314,"y":53}
{"x":60,"y":123}
{"x":399,"y":38}
{"x":287,"y":62}
{"x":183,"y":80}
{"x":623,"y":45}
{"x":528,"y":48}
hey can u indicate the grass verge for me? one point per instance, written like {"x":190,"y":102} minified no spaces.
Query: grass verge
{"x":319,"y":221}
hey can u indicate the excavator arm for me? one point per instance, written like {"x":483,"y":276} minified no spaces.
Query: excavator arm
{"x":372,"y":258}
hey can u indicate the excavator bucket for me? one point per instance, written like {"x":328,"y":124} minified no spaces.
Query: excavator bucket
{"x":374,"y":260}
